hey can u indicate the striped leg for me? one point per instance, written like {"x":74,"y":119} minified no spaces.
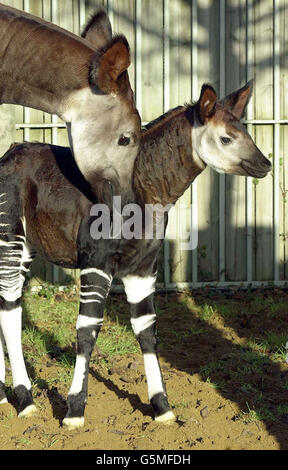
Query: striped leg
{"x":95,"y":286}
{"x":3,"y":398}
{"x":143,"y":321}
{"x":14,"y":261}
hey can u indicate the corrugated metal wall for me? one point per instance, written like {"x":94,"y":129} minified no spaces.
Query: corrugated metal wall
{"x":176,"y":46}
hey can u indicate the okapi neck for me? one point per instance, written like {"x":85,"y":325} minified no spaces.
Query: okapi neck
{"x":31,"y":73}
{"x":165,"y":166}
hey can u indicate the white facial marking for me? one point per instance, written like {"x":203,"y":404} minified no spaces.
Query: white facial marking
{"x":141,"y":323}
{"x":206,"y":141}
{"x":153,"y":375}
{"x":138,"y":288}
{"x":97,"y":138}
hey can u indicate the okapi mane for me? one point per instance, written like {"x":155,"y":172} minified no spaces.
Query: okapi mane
{"x":189,"y":113}
{"x":160,"y":119}
{"x":68,"y":167}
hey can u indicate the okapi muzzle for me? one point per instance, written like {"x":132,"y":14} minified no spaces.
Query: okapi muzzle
{"x":256,"y":165}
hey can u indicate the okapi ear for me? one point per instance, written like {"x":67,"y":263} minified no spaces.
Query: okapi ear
{"x":98,"y":30}
{"x":207,"y":102}
{"x":109,"y":63}
{"x":237,"y":101}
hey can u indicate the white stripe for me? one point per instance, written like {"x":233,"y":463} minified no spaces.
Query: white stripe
{"x":2,"y":359}
{"x":10,"y":323}
{"x":89,"y":301}
{"x":137,"y":288}
{"x":12,"y":280}
{"x":92,"y":293}
{"x":141,"y":323}
{"x":79,"y":374}
{"x":96,"y":271}
{"x":153,"y":375}
{"x":83,"y":321}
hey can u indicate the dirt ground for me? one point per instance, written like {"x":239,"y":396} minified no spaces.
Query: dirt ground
{"x":222,"y":401}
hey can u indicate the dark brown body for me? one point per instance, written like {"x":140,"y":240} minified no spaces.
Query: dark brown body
{"x":52,"y":206}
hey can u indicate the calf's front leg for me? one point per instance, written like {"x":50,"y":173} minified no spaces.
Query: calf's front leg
{"x":143,"y":321}
{"x":95,"y":285}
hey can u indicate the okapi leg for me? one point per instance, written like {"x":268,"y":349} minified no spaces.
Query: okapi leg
{"x":11,"y":324}
{"x":14,"y":260}
{"x":143,"y":321}
{"x":95,"y":286}
{"x":3,"y":398}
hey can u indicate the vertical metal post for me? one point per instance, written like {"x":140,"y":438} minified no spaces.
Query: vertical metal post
{"x":166,"y":107}
{"x":250,"y":114}
{"x":276,"y":159}
{"x":110,"y":12}
{"x":194,"y":186}
{"x":222,"y":89}
{"x":26,"y":133}
{"x":82,"y":15}
{"x":138,"y":58}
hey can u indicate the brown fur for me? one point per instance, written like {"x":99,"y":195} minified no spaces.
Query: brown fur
{"x":41,"y":63}
{"x":165,"y":166}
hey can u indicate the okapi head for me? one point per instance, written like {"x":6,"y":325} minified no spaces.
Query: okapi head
{"x":84,"y":80}
{"x":221,"y":140}
{"x":104,"y":122}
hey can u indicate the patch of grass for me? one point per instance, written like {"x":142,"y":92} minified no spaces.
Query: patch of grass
{"x":34,"y":343}
{"x":206,"y":312}
{"x":261,"y":414}
{"x":117,"y":339}
{"x":272,"y":344}
{"x":220,"y":385}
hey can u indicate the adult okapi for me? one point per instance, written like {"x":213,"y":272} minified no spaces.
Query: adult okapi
{"x":43,"y":211}
{"x":82,"y":80}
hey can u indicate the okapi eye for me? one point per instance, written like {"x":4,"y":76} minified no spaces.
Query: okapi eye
{"x":123,"y":140}
{"x":225,"y":140}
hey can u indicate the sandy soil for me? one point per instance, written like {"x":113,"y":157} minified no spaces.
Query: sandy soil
{"x":209,"y":406}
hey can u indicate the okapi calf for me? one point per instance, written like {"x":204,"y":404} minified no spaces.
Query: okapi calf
{"x":43,"y":211}
{"x":82,"y":80}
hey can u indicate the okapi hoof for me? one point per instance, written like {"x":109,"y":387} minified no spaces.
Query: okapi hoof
{"x":29,"y":411}
{"x":73,"y":423}
{"x":26,"y":407}
{"x":166,"y":418}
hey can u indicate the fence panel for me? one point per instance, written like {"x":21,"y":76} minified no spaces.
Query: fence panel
{"x":176,"y":46}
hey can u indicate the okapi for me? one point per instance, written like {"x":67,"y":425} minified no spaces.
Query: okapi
{"x":82,"y":80}
{"x":43,"y":211}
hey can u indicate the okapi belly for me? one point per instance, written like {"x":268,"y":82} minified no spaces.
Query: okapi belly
{"x":49,"y":239}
